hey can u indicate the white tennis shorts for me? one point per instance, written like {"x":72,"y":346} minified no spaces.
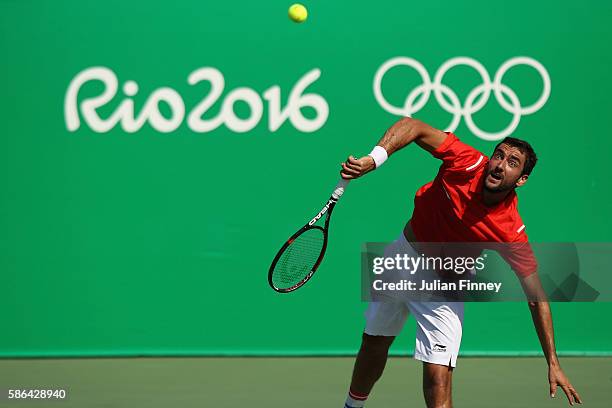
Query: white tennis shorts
{"x":439,"y":324}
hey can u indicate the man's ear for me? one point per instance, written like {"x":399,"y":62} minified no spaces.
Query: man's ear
{"x":522,"y":180}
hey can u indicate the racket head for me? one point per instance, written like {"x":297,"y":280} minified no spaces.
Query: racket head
{"x":298,"y":259}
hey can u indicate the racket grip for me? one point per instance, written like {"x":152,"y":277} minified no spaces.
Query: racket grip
{"x":339,"y":189}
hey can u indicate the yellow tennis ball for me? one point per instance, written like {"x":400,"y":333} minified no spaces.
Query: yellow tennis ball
{"x":298,"y":13}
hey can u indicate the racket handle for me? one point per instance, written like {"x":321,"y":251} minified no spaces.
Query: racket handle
{"x":339,"y":189}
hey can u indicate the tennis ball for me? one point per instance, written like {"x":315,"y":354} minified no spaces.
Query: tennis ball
{"x":298,"y":13}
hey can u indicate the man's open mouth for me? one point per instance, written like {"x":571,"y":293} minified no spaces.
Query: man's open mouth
{"x":495,"y":177}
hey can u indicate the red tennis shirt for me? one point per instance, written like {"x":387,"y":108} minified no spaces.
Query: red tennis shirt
{"x":450,"y":208}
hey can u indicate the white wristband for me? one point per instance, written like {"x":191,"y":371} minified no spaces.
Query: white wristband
{"x":379,"y":154}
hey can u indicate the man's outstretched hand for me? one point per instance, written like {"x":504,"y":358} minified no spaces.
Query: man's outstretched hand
{"x":557,"y":378}
{"x":353,"y":168}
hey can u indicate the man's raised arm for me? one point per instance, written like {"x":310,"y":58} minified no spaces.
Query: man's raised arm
{"x":400,"y":134}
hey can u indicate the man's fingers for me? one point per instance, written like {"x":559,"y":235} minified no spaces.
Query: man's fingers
{"x":353,"y":168}
{"x":353,"y":160}
{"x":356,"y":167}
{"x":357,"y":164}
{"x":553,"y":389}
{"x":346,"y":175}
{"x":348,"y":170}
{"x":568,"y":394}
{"x":575,"y":394}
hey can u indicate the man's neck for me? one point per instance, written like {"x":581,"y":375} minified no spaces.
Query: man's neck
{"x":492,"y":198}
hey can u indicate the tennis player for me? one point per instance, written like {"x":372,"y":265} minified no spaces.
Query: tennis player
{"x":472,"y":199}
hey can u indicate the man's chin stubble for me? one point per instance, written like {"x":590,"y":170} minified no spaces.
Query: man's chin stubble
{"x":498,"y":189}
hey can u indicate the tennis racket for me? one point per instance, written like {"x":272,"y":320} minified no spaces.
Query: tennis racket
{"x":301,"y":255}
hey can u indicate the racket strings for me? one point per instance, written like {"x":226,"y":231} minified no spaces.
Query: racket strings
{"x":298,"y":259}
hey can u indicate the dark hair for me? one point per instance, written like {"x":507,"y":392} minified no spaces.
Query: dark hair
{"x":526,"y":149}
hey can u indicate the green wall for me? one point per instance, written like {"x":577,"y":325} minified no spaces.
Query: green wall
{"x":151,"y":242}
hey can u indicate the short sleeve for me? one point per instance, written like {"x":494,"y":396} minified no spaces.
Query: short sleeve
{"x":519,"y":255}
{"x":458,"y":157}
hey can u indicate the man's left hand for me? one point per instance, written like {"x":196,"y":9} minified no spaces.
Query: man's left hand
{"x":557,"y":378}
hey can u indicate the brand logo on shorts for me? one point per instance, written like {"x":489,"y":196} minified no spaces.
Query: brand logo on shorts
{"x":439,"y":348}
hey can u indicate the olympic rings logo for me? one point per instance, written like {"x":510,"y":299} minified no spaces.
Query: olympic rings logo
{"x":413,"y":104}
